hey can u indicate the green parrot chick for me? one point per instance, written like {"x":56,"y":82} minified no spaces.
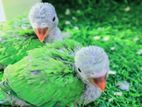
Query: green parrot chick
{"x":44,"y":21}
{"x":46,"y":77}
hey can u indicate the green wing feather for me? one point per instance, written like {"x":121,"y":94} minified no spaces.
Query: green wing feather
{"x":18,"y":27}
{"x":66,"y":43}
{"x":45,"y":77}
{"x":16,"y":38}
{"x":12,"y":50}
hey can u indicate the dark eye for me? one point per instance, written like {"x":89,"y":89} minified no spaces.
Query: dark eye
{"x":53,"y":19}
{"x":79,"y":70}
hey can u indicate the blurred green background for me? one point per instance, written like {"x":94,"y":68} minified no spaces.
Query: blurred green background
{"x":12,"y":8}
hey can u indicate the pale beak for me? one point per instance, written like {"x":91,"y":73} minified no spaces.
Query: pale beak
{"x":99,"y":82}
{"x":41,"y":33}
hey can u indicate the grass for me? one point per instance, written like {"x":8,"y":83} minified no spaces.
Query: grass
{"x":118,"y":29}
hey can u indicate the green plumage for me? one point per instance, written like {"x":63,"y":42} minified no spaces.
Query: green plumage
{"x":16,"y":38}
{"x":12,"y":49}
{"x":45,"y":77}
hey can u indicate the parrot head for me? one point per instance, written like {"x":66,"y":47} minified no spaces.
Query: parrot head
{"x":43,"y":19}
{"x":92,"y":66}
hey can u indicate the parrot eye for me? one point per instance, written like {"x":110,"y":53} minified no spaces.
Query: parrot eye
{"x":53,"y":19}
{"x":79,"y":70}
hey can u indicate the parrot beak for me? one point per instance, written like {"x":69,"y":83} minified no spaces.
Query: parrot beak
{"x":41,"y":33}
{"x":99,"y":82}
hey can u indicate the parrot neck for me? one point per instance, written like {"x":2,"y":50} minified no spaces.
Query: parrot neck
{"x":54,"y":34}
{"x":91,"y":94}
